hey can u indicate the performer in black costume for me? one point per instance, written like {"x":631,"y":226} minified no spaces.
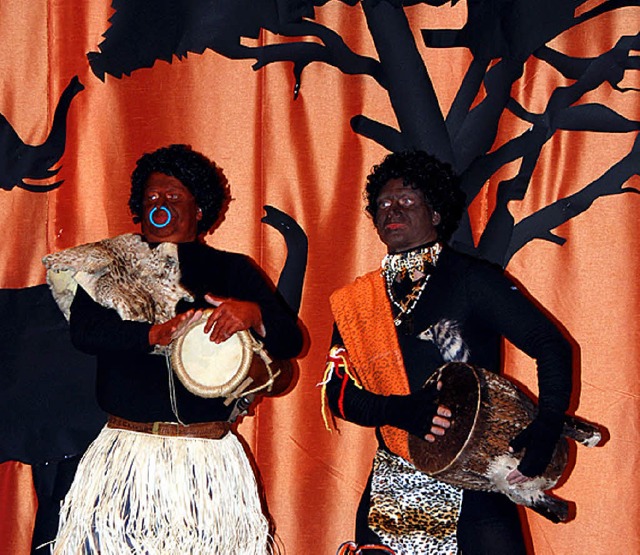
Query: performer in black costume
{"x":166,"y":474}
{"x":445,"y":306}
{"x":135,"y":386}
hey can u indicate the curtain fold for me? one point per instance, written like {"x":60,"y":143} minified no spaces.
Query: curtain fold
{"x":18,"y":505}
{"x":303,"y":157}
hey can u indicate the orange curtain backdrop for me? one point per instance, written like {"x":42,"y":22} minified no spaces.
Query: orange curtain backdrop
{"x":18,"y":505}
{"x":302,"y":157}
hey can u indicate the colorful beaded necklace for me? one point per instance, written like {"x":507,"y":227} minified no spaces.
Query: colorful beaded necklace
{"x":395,"y":267}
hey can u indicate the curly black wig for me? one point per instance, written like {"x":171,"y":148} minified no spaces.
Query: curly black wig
{"x":195,"y":171}
{"x":419,"y":170}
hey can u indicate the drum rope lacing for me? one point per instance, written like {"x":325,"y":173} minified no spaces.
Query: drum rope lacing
{"x":172,"y":389}
{"x":239,"y":394}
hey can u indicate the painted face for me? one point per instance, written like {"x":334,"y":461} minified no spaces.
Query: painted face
{"x":404,"y":219}
{"x":169,"y":211}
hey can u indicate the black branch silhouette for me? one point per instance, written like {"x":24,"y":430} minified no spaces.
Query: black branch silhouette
{"x":540,"y":224}
{"x":497,"y":241}
{"x":502,"y":36}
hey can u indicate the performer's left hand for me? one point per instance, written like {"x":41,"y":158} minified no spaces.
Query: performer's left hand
{"x":538,"y":440}
{"x":231,"y":316}
{"x":516,"y":477}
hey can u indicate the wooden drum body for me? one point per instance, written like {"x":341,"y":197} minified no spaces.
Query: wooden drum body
{"x":488,"y":412}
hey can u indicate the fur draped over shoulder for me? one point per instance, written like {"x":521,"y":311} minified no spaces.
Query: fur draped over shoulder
{"x":124,"y":273}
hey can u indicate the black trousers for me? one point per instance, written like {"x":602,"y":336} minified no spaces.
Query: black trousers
{"x":489,"y":524}
{"x":51,"y":482}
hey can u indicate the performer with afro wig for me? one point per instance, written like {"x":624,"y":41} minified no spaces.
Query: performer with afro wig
{"x":380,"y":361}
{"x":167,"y":474}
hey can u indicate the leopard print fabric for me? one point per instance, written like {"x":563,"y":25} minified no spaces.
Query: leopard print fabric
{"x":411,"y":512}
{"x":124,"y":273}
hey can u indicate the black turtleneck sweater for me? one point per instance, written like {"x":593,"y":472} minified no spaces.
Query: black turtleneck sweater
{"x":132,"y":383}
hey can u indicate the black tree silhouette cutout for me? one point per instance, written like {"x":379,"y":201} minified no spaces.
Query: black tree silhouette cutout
{"x":501,"y":36}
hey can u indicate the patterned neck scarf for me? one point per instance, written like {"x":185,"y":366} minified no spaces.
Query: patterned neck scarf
{"x":416,"y":265}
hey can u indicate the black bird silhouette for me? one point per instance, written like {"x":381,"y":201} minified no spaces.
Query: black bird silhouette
{"x":20,"y":161}
{"x":291,"y":279}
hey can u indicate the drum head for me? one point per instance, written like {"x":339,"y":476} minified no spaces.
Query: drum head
{"x":209,"y":369}
{"x":461,"y":394}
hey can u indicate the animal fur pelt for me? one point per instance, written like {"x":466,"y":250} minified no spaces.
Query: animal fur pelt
{"x":489,"y":411}
{"x":124,"y":273}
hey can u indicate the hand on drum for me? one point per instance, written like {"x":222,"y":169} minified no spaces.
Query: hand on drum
{"x":231,"y":316}
{"x":516,"y":477}
{"x":440,"y":423}
{"x":163,"y":334}
{"x":419,"y":413}
{"x":538,"y":440}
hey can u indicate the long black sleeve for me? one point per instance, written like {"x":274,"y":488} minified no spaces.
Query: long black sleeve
{"x":352,"y":403}
{"x":498,"y":303}
{"x":413,"y":412}
{"x":484,"y":306}
{"x":96,"y":329}
{"x":206,"y":270}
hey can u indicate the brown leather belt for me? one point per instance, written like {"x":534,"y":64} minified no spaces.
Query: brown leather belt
{"x":207,"y":430}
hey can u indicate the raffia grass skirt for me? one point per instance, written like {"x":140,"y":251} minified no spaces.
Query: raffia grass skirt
{"x":146,"y":494}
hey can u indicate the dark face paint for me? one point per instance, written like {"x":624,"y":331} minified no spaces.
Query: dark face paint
{"x":169,"y":211}
{"x":404,"y":219}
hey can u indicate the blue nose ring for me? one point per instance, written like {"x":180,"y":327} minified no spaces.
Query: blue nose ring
{"x":153,"y":211}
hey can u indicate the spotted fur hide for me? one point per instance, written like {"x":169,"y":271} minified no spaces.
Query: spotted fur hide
{"x":489,"y":411}
{"x":124,"y":273}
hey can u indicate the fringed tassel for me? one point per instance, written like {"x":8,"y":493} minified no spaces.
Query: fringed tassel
{"x":338,"y":363}
{"x":145,"y":494}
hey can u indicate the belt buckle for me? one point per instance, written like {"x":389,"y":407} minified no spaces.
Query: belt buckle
{"x":174,"y":426}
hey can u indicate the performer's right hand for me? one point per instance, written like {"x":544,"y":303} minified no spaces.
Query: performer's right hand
{"x":163,"y":334}
{"x":419,"y":413}
{"x":440,"y":423}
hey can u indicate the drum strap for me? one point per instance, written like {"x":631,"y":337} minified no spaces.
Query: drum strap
{"x":172,"y":389}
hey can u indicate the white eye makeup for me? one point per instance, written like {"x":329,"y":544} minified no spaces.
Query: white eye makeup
{"x":405,"y":201}
{"x":170,"y":196}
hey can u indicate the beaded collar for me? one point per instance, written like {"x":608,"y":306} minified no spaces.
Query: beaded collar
{"x":395,"y":267}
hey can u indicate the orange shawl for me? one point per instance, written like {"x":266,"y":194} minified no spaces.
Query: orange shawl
{"x":363,"y":315}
